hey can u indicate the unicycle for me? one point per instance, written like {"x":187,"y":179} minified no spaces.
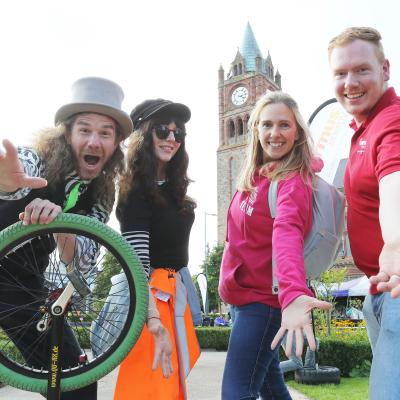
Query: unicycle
{"x":317,"y":374}
{"x":51,"y":296}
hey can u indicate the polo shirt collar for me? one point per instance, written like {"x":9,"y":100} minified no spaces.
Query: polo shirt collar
{"x":385,"y":100}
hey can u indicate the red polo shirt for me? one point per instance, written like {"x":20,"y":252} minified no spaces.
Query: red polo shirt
{"x":374,"y":153}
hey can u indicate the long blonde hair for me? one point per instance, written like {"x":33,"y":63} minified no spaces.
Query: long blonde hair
{"x":299,"y":159}
{"x":56,"y":153}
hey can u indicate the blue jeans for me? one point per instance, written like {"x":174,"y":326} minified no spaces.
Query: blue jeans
{"x":382,"y":315}
{"x":251,"y":367}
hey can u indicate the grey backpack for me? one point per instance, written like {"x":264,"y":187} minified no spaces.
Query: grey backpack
{"x":322,"y":244}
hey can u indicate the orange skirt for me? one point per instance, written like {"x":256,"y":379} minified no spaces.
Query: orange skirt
{"x":136,"y":380}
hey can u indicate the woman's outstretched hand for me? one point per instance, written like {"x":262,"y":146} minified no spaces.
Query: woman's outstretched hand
{"x":296,"y":320}
{"x":162,"y":345}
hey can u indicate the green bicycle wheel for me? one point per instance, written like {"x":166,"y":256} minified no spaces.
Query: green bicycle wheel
{"x":32,"y":276}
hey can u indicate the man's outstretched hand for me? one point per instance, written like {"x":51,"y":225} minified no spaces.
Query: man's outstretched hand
{"x":388,"y":277}
{"x":12,"y":174}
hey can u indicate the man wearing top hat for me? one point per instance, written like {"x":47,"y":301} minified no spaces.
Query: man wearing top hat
{"x":82,"y":149}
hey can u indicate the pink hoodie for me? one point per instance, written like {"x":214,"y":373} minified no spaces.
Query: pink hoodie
{"x":246,"y":268}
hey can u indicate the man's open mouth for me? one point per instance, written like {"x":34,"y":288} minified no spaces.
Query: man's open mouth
{"x":91,"y":160}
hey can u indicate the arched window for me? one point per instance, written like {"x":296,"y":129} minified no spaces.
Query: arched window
{"x":235,"y":70}
{"x":245,"y":122}
{"x":240,"y":126}
{"x":231,"y":129}
{"x":240,"y":69}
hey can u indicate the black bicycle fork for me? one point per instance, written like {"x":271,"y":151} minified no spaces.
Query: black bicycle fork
{"x":56,"y":313}
{"x":56,"y":339}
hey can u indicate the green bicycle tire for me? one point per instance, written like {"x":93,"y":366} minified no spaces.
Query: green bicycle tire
{"x":81,"y":224}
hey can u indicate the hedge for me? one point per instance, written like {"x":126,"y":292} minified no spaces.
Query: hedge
{"x":213,"y":338}
{"x":343,"y":354}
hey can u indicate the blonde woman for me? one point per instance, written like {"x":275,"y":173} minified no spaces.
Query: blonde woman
{"x":279,"y":149}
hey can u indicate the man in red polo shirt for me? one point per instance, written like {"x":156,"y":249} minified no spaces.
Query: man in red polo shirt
{"x":360,"y":74}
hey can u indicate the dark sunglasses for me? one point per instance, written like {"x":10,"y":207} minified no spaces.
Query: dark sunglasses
{"x":163,"y":132}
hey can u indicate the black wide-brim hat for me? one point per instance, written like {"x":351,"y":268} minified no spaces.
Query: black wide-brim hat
{"x":100,"y":96}
{"x":150,"y":108}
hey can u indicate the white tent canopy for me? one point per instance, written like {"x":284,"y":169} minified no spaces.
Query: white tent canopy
{"x":361,"y":288}
{"x":353,"y":287}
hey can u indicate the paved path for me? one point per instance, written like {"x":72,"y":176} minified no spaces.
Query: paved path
{"x":204,"y":382}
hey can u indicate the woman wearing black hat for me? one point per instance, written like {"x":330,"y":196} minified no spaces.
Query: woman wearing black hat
{"x":156,"y":217}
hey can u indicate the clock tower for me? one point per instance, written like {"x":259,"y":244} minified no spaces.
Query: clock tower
{"x":249,"y":77}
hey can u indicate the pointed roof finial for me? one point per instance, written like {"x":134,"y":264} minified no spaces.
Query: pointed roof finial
{"x":249,"y":49}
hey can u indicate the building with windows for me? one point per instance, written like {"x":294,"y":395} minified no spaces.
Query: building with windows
{"x":248,"y":78}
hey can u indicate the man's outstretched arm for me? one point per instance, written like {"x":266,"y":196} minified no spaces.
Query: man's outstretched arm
{"x":12,"y":173}
{"x":388,"y":278}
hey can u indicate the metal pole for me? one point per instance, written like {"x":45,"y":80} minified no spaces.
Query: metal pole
{"x":205,"y":236}
{"x":206,"y":252}
{"x":206,"y":247}
{"x":205,"y":261}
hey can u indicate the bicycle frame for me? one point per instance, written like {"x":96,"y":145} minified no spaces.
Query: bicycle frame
{"x":57,"y":312}
{"x":57,"y":328}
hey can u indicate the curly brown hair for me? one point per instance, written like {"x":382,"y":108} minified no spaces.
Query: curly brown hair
{"x":53,"y":148}
{"x":141,"y":168}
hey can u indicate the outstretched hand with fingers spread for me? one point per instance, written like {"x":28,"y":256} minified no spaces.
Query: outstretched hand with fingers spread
{"x":163,"y":347}
{"x":296,"y":320}
{"x":12,"y":174}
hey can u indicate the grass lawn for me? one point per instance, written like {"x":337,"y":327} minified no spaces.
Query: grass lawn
{"x":349,"y":389}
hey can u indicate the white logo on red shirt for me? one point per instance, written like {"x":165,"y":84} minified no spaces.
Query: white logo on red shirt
{"x":247,"y":205}
{"x":363,"y":144}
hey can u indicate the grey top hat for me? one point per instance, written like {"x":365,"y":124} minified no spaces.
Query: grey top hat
{"x":96,"y":95}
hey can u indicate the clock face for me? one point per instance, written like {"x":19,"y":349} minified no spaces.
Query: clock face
{"x":240,"y":95}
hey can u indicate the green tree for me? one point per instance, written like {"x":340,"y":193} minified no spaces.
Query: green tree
{"x":210,"y":267}
{"x":324,"y":288}
{"x":109,"y":267}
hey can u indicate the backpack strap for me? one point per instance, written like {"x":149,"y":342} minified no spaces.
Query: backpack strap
{"x":272,"y":200}
{"x":272,"y":197}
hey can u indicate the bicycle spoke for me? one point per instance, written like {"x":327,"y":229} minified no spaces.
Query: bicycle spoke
{"x":33,"y":275}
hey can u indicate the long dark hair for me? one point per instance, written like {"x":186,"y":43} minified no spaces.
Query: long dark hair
{"x":141,"y":169}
